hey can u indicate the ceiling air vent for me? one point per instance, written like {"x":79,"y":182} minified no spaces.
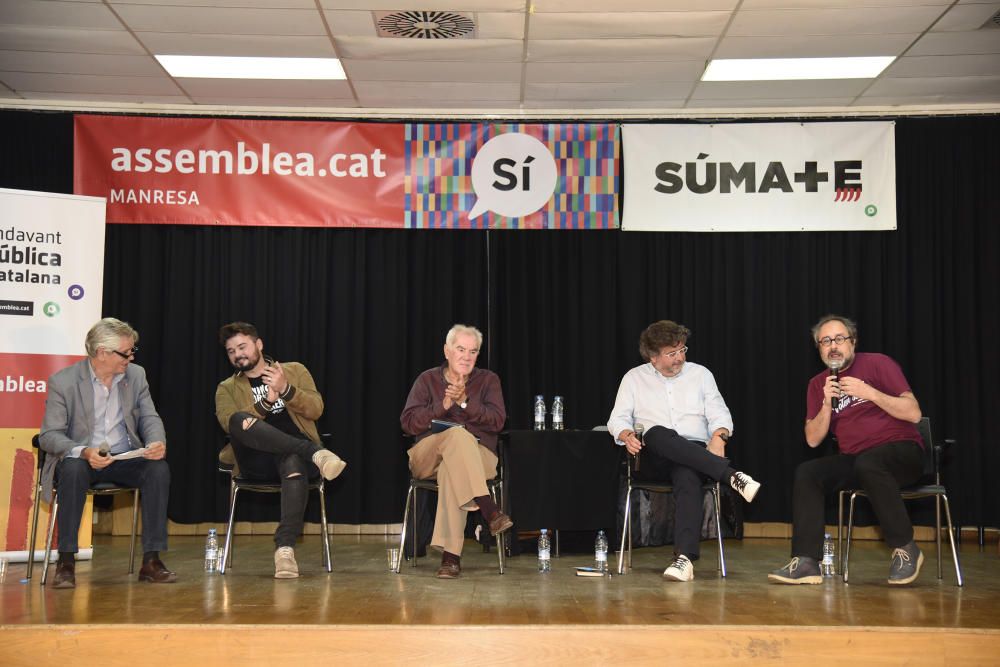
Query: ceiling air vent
{"x":425,"y":25}
{"x":992,"y":23}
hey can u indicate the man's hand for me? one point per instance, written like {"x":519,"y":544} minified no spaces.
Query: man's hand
{"x":632,"y":443}
{"x":155,"y":451}
{"x":454,"y":393}
{"x":93,"y":456}
{"x":274,"y":378}
{"x":832,"y":389}
{"x":857,"y":388}
{"x":717,"y":446}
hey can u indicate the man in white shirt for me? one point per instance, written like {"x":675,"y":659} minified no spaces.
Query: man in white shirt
{"x":687,"y":426}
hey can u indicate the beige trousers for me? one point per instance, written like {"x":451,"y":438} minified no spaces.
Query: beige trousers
{"x":461,"y":466}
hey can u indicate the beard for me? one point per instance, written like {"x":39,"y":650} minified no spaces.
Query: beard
{"x":248,"y":362}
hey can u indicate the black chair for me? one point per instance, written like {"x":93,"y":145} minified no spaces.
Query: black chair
{"x":929,"y":486}
{"x":495,"y":487}
{"x":659,"y":487}
{"x":99,"y":489}
{"x":238,"y":483}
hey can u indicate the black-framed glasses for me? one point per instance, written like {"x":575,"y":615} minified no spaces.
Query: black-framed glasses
{"x":673,"y":355}
{"x":128,"y":354}
{"x":839,"y":339}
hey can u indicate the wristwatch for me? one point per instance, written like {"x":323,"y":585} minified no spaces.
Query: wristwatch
{"x":463,"y":404}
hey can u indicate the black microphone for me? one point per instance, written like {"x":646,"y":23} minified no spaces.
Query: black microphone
{"x":639,"y":430}
{"x":103,"y":449}
{"x":835,"y":365}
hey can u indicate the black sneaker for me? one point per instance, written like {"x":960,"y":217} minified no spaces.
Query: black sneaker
{"x":799,"y":570}
{"x":905,"y":564}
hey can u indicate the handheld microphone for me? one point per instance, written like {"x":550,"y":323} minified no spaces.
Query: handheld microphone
{"x":835,"y":365}
{"x":639,"y":430}
{"x":103,"y":449}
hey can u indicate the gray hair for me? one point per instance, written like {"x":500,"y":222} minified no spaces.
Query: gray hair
{"x":849,"y":324}
{"x":107,"y":335}
{"x":454,"y":332}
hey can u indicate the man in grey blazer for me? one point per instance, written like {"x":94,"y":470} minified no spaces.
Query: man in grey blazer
{"x":96,"y":409}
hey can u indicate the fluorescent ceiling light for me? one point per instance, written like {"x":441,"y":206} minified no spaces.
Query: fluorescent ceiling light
{"x":784,"y":69}
{"x":219,"y":67}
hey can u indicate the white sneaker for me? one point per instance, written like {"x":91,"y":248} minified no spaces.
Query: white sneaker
{"x":680,"y":569}
{"x":285,"y":566}
{"x":745,"y":485}
{"x":330,"y":465}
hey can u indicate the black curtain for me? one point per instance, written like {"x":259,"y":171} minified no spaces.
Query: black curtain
{"x":366,"y":311}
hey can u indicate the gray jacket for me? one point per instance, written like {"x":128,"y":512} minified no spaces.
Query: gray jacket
{"x":69,"y":414}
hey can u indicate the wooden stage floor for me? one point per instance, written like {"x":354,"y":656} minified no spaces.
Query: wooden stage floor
{"x":363,"y":613}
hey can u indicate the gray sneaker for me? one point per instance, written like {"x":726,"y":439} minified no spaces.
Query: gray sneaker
{"x":285,"y":566}
{"x":905,"y":564}
{"x":799,"y":570}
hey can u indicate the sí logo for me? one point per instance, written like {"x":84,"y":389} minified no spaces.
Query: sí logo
{"x":703,"y":176}
{"x":513,"y":175}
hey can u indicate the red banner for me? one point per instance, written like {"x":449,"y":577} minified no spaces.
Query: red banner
{"x":216,"y":171}
{"x":23,"y":385}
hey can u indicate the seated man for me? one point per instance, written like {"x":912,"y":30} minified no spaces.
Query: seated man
{"x":461,"y":459}
{"x":269,"y":411}
{"x":866,"y":402}
{"x":97,"y":408}
{"x":687,"y":429}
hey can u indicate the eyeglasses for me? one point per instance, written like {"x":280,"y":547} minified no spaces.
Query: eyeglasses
{"x":128,"y":354}
{"x":839,"y":339}
{"x":673,"y":355}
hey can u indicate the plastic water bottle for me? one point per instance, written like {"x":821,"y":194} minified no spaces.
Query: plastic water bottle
{"x":601,"y":552}
{"x":827,"y":567}
{"x":557,"y":413}
{"x":211,"y":551}
{"x":539,"y":413}
{"x":544,"y":551}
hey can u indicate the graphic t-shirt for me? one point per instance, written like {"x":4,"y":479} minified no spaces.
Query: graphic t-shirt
{"x":859,"y":424}
{"x":279,"y":417}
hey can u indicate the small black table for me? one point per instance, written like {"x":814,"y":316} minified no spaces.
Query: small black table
{"x":562,"y":480}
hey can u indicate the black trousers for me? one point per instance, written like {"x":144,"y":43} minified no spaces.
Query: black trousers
{"x":267,"y":454}
{"x":75,"y":476}
{"x":666,"y":455}
{"x":880,"y":471}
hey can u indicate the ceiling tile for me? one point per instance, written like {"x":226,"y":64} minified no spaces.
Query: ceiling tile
{"x":977,"y":65}
{"x":429,"y":5}
{"x":290,"y":103}
{"x":773,"y":103}
{"x":124,"y":98}
{"x":967,"y":17}
{"x":627,"y":26}
{"x":651,"y":104}
{"x":265,"y":89}
{"x":254,"y":4}
{"x":402,"y":70}
{"x":735,"y":90}
{"x":905,"y":86}
{"x":814,"y":46}
{"x":68,"y":40}
{"x":431,"y":91}
{"x":622,"y":6}
{"x":957,"y":43}
{"x":684,"y":70}
{"x":237,"y":45}
{"x":347,"y":23}
{"x":979,"y":100}
{"x":88,"y":83}
{"x":852,"y":21}
{"x":602,"y":50}
{"x":222,"y":20}
{"x":470,"y":50}
{"x":837,"y":4}
{"x":572,"y":92}
{"x":51,"y":14}
{"x":496,"y":25}
{"x":79,"y":63}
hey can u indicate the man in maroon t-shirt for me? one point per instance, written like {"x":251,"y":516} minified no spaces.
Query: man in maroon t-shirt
{"x":866,"y":402}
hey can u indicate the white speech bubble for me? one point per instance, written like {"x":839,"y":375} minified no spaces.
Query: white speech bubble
{"x":513,"y":175}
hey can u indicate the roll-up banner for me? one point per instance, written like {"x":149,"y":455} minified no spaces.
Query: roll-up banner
{"x":748,"y":177}
{"x":51,"y":288}
{"x":220,"y":171}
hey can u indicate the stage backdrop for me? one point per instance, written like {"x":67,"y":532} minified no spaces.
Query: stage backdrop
{"x":742,"y":177}
{"x":220,"y":171}
{"x":51,"y":286}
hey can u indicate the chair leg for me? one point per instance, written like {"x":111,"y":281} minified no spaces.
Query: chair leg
{"x":327,"y":557}
{"x":53,"y":509}
{"x":34,"y":530}
{"x":135,"y":530}
{"x":500,"y":536}
{"x":718,"y":530}
{"x":413,"y":524}
{"x":937,"y":534}
{"x":227,"y":554}
{"x":840,"y":528}
{"x":402,"y":532}
{"x":850,"y":529}
{"x":951,"y":539}
{"x":626,"y":527}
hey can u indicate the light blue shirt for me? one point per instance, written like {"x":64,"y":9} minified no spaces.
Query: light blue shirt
{"x":689,"y":402}
{"x":109,"y":423}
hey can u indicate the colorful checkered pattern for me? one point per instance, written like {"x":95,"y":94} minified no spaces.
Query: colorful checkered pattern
{"x":438,"y":188}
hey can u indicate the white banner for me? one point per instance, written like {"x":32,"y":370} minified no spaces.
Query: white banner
{"x":51,"y":288}
{"x":743,"y":177}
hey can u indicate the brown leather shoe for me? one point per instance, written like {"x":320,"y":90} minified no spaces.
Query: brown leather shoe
{"x":156,"y":572}
{"x":500,"y":523}
{"x":65,"y":575}
{"x":449,"y":571}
